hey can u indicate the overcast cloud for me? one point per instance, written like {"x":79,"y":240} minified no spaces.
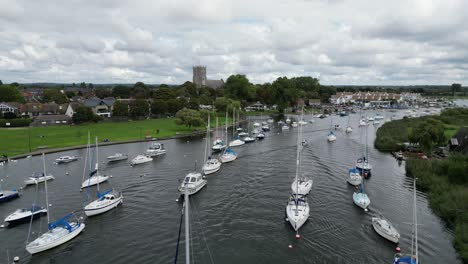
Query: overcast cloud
{"x":338,"y":41}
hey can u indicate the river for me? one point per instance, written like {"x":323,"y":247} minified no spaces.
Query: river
{"x":239,"y":216}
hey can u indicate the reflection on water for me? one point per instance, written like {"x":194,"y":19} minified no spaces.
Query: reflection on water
{"x":239,"y":216}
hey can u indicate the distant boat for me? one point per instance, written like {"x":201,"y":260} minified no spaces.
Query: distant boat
{"x":60,"y":231}
{"x":354,"y":177}
{"x":265,"y":128}
{"x":378,"y":117}
{"x":256,"y":124}
{"x":362,"y":122}
{"x":288,"y":120}
{"x":302,"y":122}
{"x":117,"y":157}
{"x":360,"y":198}
{"x":384,"y":228}
{"x":24,"y":215}
{"x":7,"y":195}
{"x":270,"y":120}
{"x":294,"y":124}
{"x":285,"y":127}
{"x":260,"y":136}
{"x":228,"y":154}
{"x":38,"y":177}
{"x":94,"y":176}
{"x":331,"y":137}
{"x":349,"y":129}
{"x":243,"y":134}
{"x":65,"y":159}
{"x":140,"y":159}
{"x":156,"y":149}
{"x":236,"y":142}
{"x":376,"y":122}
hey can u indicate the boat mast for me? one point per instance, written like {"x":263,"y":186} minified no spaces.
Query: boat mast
{"x":97,"y":164}
{"x":187,"y":231}
{"x":415,"y":218}
{"x":297,"y":162}
{"x":233,"y":123}
{"x":226,"y":144}
{"x":207,"y":138}
{"x":45,"y":184}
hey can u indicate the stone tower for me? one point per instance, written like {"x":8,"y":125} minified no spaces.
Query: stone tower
{"x":199,"y":76}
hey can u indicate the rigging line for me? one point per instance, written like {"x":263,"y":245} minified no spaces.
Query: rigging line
{"x":191,"y":235}
{"x":32,"y":217}
{"x":203,"y":233}
{"x":178,"y":237}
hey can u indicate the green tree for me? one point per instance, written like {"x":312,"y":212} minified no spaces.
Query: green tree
{"x":70,"y":94}
{"x":237,"y":87}
{"x":139,"y":108}
{"x":84,"y":114}
{"x":9,"y":93}
{"x":174,"y":105}
{"x":102,"y":93}
{"x":83,"y":85}
{"x":428,"y":134}
{"x":159,"y":107}
{"x":121,"y":91}
{"x":164,"y":93}
{"x":54,"y":95}
{"x":189,"y":117}
{"x":456,"y":87}
{"x":1,"y":83}
{"x":140,"y":90}
{"x":120,"y":109}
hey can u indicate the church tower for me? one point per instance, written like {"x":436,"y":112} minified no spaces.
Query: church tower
{"x":199,"y":76}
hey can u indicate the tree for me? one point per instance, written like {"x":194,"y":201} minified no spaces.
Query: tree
{"x":83,"y":85}
{"x":70,"y":94}
{"x":189,"y":117}
{"x":174,"y":105}
{"x":121,"y":91}
{"x":84,"y":114}
{"x":140,"y":90}
{"x":164,"y":93}
{"x":9,"y":115}
{"x":54,"y":95}
{"x":159,"y":107}
{"x":237,"y":87}
{"x":1,"y":83}
{"x":102,"y":93}
{"x":9,"y":93}
{"x":456,"y":87}
{"x":139,"y":108}
{"x":120,"y":109}
{"x":427,"y":134}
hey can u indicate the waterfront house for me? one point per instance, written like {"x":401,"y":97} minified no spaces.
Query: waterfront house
{"x":101,"y":107}
{"x":8,"y":108}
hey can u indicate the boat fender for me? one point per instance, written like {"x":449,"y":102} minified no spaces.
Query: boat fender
{"x":16,"y":259}
{"x":290,"y":246}
{"x":298,"y":236}
{"x":397,"y":249}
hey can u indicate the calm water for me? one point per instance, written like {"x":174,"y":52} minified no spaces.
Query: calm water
{"x":239,"y":216}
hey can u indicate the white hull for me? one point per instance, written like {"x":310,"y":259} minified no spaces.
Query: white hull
{"x":225,"y":158}
{"x":53,"y":238}
{"x":249,"y":139}
{"x":18,"y":216}
{"x":303,"y":188}
{"x":385,"y":230}
{"x":94,"y":180}
{"x":116,"y":158}
{"x":236,"y":143}
{"x":353,"y":180}
{"x":140,"y":160}
{"x":193,"y":189}
{"x":297,"y":216}
{"x":331,"y":138}
{"x":98,"y":207}
{"x":218,"y":147}
{"x":38,"y":180}
{"x":212,"y":167}
{"x":349,"y":130}
{"x":361,"y":200}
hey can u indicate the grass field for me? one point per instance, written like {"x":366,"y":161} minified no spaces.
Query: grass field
{"x":14,"y":141}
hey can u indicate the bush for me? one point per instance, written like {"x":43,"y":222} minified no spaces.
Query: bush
{"x":23,"y":122}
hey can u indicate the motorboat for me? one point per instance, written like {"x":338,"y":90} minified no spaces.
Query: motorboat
{"x":297,"y":211}
{"x":255,"y":131}
{"x":354,"y":177}
{"x":59,"y":232}
{"x":7,"y":195}
{"x":256,"y":124}
{"x":331,"y":137}
{"x":285,"y":127}
{"x":265,"y":128}
{"x":363,"y":166}
{"x":24,"y":215}
{"x":38,"y":177}
{"x":360,"y":198}
{"x":228,"y":156}
{"x":140,"y":159}
{"x":65,"y":159}
{"x":248,"y":139}
{"x":260,"y":135}
{"x":376,"y":122}
{"x":236,"y":142}
{"x":105,"y":202}
{"x":301,"y":186}
{"x":156,"y":149}
{"x":117,"y":157}
{"x":302,"y":122}
{"x":378,"y":117}
{"x":212,"y":165}
{"x":264,"y":123}
{"x":362,"y":122}
{"x":384,"y":228}
{"x":349,"y":129}
{"x":243,"y":134}
{"x":288,"y":120}
{"x":294,"y":124}
{"x":270,"y":120}
{"x":370,"y":119}
{"x":193,"y":182}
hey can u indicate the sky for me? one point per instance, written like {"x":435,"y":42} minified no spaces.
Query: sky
{"x":355,"y":42}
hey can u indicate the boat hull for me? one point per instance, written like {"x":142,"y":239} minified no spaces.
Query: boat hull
{"x":33,"y":249}
{"x":361,"y":200}
{"x":9,"y":195}
{"x":211,"y":169}
{"x":193,"y":190}
{"x":294,"y":220}
{"x":26,"y":219}
{"x":94,"y":181}
{"x":116,"y":159}
{"x":383,"y":234}
{"x":100,"y":209}
{"x":33,"y":181}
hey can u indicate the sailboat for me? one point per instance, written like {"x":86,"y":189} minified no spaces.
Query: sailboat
{"x":38,"y":177}
{"x":211,"y":165}
{"x":349,"y":129}
{"x":301,"y":185}
{"x":360,"y":197}
{"x":413,"y":258}
{"x":248,"y":138}
{"x":218,"y":143}
{"x":354,"y":177}
{"x":193,"y":183}
{"x":228,"y":154}
{"x":60,"y":231}
{"x":94,"y":177}
{"x":363,"y":164}
{"x":237,"y":141}
{"x":105,"y":201}
{"x":384,"y":228}
{"x":297,"y":209}
{"x":331,"y":135}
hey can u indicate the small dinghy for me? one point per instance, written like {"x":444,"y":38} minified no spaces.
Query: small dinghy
{"x":384,"y":228}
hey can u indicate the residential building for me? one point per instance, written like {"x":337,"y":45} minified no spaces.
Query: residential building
{"x":35,"y":109}
{"x":256,"y":107}
{"x":44,"y":120}
{"x":101,"y":107}
{"x":8,"y":108}
{"x":71,"y":108}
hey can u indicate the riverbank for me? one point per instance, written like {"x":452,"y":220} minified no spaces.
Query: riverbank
{"x":445,"y":180}
{"x":21,"y":142}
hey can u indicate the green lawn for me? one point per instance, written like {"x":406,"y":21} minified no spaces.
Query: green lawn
{"x":450,"y":130}
{"x":16,"y":141}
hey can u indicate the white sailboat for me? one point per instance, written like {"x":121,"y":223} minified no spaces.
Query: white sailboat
{"x":211,"y":164}
{"x":302,"y":184}
{"x":385,"y":229}
{"x":354,"y":177}
{"x":248,"y":138}
{"x":38,"y":177}
{"x":94,"y":177}
{"x":218,"y":143}
{"x":237,"y":141}
{"x":360,"y":197}
{"x":297,"y":209}
{"x":105,"y":201}
{"x":349,"y":129}
{"x":413,"y":257}
{"x":363,"y":164}
{"x":331,"y":135}
{"x":59,"y":232}
{"x":228,"y":154}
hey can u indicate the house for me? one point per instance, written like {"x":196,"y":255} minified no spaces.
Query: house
{"x":45,"y":120}
{"x":71,"y":108}
{"x":35,"y":109}
{"x":459,"y":141}
{"x":314,"y":102}
{"x":256,"y":107}
{"x":101,"y":107}
{"x":8,"y":108}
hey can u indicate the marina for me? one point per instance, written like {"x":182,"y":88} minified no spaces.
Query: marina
{"x":241,"y":209}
